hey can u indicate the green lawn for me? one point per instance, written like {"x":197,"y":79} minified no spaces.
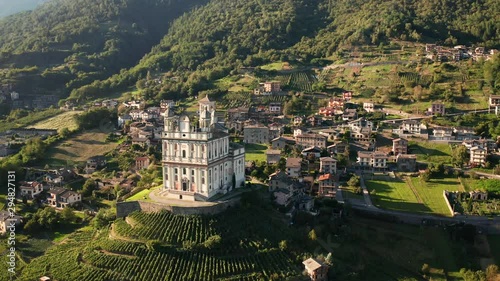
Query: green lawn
{"x":255,"y":152}
{"x":431,"y":152}
{"x":395,"y":194}
{"x":273,"y":66}
{"x":432,"y":193}
{"x":141,"y":195}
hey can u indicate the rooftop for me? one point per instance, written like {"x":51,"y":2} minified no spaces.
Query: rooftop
{"x":293,"y":162}
{"x":312,"y":264}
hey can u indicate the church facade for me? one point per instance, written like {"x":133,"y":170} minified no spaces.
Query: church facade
{"x":199,"y":161}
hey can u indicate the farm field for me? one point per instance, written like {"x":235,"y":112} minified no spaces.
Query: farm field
{"x":430,"y":152}
{"x":32,"y":118}
{"x":255,"y":152}
{"x":63,"y":120}
{"x":79,"y":148}
{"x":432,"y":193}
{"x":395,"y":194}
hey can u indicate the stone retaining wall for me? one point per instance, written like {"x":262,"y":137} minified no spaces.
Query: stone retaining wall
{"x":125,"y":208}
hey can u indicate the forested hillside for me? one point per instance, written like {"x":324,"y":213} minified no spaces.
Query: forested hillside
{"x":209,"y":42}
{"x":65,"y":44}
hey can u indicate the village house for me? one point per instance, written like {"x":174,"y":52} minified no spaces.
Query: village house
{"x":304,"y":202}
{"x":312,"y":150}
{"x":142,"y":142}
{"x":316,"y":270}
{"x":442,"y":133}
{"x":399,"y":146}
{"x":347,"y":96}
{"x":327,"y":111}
{"x":307,"y":140}
{"x":6,"y":221}
{"x":273,"y":156}
{"x":257,"y":134}
{"x":293,"y":166}
{"x":369,"y":106}
{"x":314,"y":120}
{"x":464,"y":133}
{"x":282,"y":142}
{"x":478,"y":156}
{"x":372,"y":159}
{"x":406,"y":162}
{"x":123,"y":119}
{"x":272,"y":87}
{"x":298,"y":120}
{"x":436,"y":108}
{"x":141,"y":163}
{"x":489,"y":144}
{"x":327,"y":165}
{"x":164,"y":104}
{"x":338,"y":148}
{"x":349,"y":114}
{"x":331,"y":134}
{"x":288,"y":195}
{"x":275,"y":130}
{"x":413,"y":127}
{"x":30,"y":189}
{"x":326,"y":184}
{"x":299,"y":131}
{"x":336,"y":103}
{"x":279,"y":180}
{"x":61,"y":198}
{"x":494,"y":101}
{"x":238,"y":114}
{"x":95,"y":163}
{"x":275,"y":108}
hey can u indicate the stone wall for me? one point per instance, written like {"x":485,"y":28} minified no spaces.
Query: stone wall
{"x":125,"y":208}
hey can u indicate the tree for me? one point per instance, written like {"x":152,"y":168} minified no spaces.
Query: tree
{"x":354,"y":181}
{"x":89,"y":186}
{"x":312,"y":235}
{"x":459,"y":156}
{"x":492,"y":272}
{"x":283,"y":245}
{"x":103,"y":217}
{"x":213,"y":242}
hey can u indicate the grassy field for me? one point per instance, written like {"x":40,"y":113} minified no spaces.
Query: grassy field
{"x":63,"y":120}
{"x":432,"y":193}
{"x":273,"y":66}
{"x":255,"y":152}
{"x":79,"y":148}
{"x":32,"y":118}
{"x":431,"y":152}
{"x":395,"y":194}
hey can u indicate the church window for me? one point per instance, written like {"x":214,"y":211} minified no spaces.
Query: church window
{"x":192,"y":172}
{"x":183,"y":154}
{"x":183,"y":171}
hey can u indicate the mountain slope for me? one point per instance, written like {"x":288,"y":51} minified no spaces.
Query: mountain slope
{"x":214,"y":39}
{"x":74,"y":42}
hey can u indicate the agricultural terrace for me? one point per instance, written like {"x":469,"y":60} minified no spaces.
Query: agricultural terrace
{"x":240,"y":245}
{"x":60,"y":121}
{"x":412,"y":194}
{"x":299,"y":81}
{"x":255,"y":152}
{"x":79,"y":148}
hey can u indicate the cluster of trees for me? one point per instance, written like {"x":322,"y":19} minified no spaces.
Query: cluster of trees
{"x":48,"y":219}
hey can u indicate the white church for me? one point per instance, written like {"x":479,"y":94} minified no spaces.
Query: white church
{"x":198,"y":159}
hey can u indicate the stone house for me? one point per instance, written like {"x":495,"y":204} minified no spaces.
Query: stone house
{"x":307,"y":140}
{"x":338,"y":147}
{"x":313,"y":150}
{"x":141,"y":163}
{"x":406,"y":162}
{"x":436,"y":108}
{"x":273,"y":156}
{"x":279,"y":180}
{"x":257,"y":134}
{"x":399,"y":146}
{"x":316,"y":270}
{"x":293,"y":166}
{"x":282,"y":142}
{"x":478,"y":195}
{"x":94,"y":163}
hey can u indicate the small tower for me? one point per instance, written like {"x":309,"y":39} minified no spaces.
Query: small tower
{"x":205,"y":120}
{"x":206,"y":104}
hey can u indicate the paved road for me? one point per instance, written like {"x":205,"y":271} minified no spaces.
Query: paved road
{"x":419,"y":117}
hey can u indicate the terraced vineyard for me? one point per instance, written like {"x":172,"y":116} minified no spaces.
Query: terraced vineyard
{"x":248,"y":250}
{"x":300,"y":81}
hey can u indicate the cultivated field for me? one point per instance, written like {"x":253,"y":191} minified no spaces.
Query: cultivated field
{"x":79,"y":148}
{"x":63,"y":120}
{"x":395,"y":194}
{"x":430,"y":152}
{"x":432,"y":193}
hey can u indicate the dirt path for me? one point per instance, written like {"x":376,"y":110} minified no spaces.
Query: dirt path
{"x":414,"y":190}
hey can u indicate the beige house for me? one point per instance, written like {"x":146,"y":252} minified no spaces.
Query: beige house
{"x":293,"y":166}
{"x":327,"y":165}
{"x":258,"y":134}
{"x":376,"y":160}
{"x":272,"y":87}
{"x":494,"y":100}
{"x":307,"y":140}
{"x":399,"y":146}
{"x":281,"y":142}
{"x":369,"y":106}
{"x":478,"y":155}
{"x":273,"y":156}
{"x":30,"y":189}
{"x":62,"y":198}
{"x":316,"y":270}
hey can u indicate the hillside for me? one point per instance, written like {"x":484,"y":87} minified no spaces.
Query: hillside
{"x":207,"y":44}
{"x":64,"y":44}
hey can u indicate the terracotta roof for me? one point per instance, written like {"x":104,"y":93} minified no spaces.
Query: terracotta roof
{"x":325,"y":177}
